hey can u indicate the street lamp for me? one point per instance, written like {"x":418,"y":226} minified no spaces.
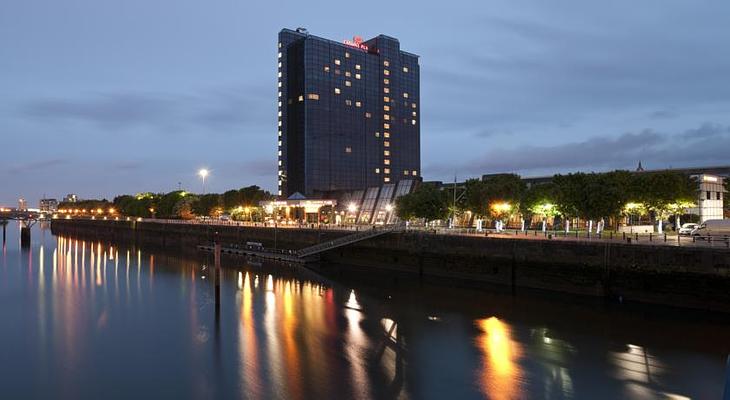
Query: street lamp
{"x":203,"y":173}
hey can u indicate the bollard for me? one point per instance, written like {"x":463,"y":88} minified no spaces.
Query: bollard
{"x":624,"y":236}
{"x":650,"y":237}
{"x":665,"y":237}
{"x":637,"y":237}
{"x":610,"y":235}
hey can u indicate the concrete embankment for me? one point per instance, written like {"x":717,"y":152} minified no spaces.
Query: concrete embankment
{"x":692,"y":277}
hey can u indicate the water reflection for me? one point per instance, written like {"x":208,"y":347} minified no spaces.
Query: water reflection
{"x":500,"y":377}
{"x":92,"y":312}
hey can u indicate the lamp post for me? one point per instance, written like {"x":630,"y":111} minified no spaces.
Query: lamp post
{"x":203,"y":173}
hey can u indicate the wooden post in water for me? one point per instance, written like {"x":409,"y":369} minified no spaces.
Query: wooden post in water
{"x":5,"y":226}
{"x":217,"y":269}
{"x":24,"y":234}
{"x":726,"y":392}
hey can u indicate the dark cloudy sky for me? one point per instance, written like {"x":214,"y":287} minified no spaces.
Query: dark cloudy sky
{"x":101,"y":97}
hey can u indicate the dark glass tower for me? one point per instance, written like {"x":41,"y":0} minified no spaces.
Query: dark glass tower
{"x":348,"y":114}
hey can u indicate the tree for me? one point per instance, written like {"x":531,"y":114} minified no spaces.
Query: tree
{"x":667,"y":193}
{"x":593,"y":196}
{"x":426,"y":202}
{"x":541,"y":200}
{"x":184,"y":207}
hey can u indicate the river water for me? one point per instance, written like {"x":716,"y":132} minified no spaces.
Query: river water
{"x":87,"y":320}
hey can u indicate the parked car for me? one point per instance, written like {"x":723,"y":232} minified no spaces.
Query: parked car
{"x":713,"y":227}
{"x":224,"y":217}
{"x":687,"y":228}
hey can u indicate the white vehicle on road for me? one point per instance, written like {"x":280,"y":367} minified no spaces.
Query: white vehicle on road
{"x":687,"y":228}
{"x":713,"y":227}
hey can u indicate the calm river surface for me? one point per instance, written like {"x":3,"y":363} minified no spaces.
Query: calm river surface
{"x":86,"y":320}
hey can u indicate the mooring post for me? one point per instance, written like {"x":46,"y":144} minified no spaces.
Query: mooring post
{"x":24,"y":235}
{"x":5,"y":226}
{"x":726,"y":392}
{"x":217,"y":258}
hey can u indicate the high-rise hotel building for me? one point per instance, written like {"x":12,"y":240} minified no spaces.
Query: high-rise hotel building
{"x":348,"y":114}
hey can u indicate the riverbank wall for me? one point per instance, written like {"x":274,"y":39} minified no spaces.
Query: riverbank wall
{"x":688,"y":277}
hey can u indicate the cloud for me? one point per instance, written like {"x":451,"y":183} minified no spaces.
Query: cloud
{"x":698,"y":146}
{"x":222,"y":110}
{"x":36,"y":166}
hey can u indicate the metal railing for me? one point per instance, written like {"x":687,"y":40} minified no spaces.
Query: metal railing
{"x":349,"y":239}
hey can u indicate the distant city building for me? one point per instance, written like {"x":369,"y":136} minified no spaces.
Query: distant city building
{"x":71,"y":198}
{"x":348,"y":116}
{"x":48,"y":205}
{"x":22,"y":204}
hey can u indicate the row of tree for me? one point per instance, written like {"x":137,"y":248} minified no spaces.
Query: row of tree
{"x":588,"y":196}
{"x":242,"y":203}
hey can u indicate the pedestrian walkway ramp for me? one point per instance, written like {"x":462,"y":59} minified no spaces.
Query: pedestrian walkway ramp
{"x":349,"y":239}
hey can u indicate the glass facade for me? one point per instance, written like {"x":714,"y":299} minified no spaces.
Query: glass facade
{"x":348,"y":114}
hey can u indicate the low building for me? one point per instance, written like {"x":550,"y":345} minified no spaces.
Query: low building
{"x":22,"y":204}
{"x":710,"y":195}
{"x":48,"y":205}
{"x":71,"y":198}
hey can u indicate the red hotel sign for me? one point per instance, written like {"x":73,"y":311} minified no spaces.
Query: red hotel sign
{"x":356,"y":42}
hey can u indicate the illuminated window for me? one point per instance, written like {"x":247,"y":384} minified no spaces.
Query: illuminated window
{"x":357,"y":67}
{"x":279,"y":133}
{"x":279,"y":104}
{"x":414,"y":173}
{"x":279,"y":143}
{"x":313,"y":96}
{"x":386,"y":134}
{"x":279,"y":192}
{"x":405,"y":172}
{"x":386,"y":126}
{"x":280,"y":113}
{"x":348,"y":83}
{"x":386,"y":99}
{"x":326,"y":68}
{"x":405,"y":95}
{"x":347,"y":55}
{"x":413,"y":122}
{"x":377,"y":170}
{"x":279,"y":44}
{"x":337,"y":62}
{"x":386,"y":72}
{"x":386,"y":153}
{"x":348,"y":102}
{"x":414,"y":113}
{"x":280,"y":163}
{"x":413,"y":105}
{"x":368,"y":115}
{"x":358,"y":104}
{"x":337,"y":90}
{"x":377,"y":134}
{"x":279,"y":54}
{"x":348,"y":74}
{"x":386,"y":63}
{"x":279,"y":64}
{"x":279,"y":74}
{"x":386,"y":81}
{"x":386,"y":170}
{"x":386,"y":144}
{"x":386,"y":117}
{"x":405,"y":69}
{"x":357,"y":76}
{"x":386,"y":90}
{"x":279,"y":123}
{"x":386,"y":108}
{"x":279,"y":83}
{"x":279,"y":152}
{"x":281,"y":172}
{"x":386,"y":179}
{"x":279,"y":94}
{"x":348,"y":149}
{"x":300,"y":98}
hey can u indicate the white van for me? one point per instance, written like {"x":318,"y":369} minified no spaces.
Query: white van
{"x":713,"y":227}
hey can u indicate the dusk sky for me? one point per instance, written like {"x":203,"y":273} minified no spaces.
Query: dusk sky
{"x":101,"y":98}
